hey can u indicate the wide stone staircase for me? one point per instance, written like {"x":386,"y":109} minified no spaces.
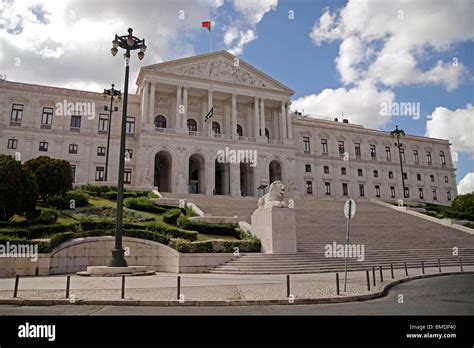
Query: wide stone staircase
{"x":388,"y":237}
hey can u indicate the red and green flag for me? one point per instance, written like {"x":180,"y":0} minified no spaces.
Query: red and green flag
{"x":207,"y":24}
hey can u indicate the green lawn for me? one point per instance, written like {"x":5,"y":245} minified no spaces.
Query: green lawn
{"x":202,"y":237}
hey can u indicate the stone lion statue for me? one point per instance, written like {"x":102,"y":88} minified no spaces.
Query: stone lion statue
{"x":274,"y":197}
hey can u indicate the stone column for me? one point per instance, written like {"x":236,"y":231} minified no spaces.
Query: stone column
{"x":184,"y":116}
{"x":234,"y":169}
{"x":288,"y":117}
{"x":145,"y":101}
{"x":262,"y":117}
{"x":233,"y":123}
{"x":151,"y":111}
{"x":256,"y":118}
{"x":283,"y":118}
{"x":209,"y":106}
{"x":210,"y":177}
{"x":178,"y":120}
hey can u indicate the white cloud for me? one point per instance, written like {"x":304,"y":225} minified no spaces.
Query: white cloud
{"x":360,"y":104}
{"x":399,"y":35}
{"x":255,"y":10}
{"x":466,"y":185}
{"x":244,"y":38}
{"x":457,"y":126}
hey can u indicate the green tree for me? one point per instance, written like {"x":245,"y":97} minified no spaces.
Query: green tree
{"x":464,"y":203}
{"x":53,"y":176}
{"x":18,"y":189}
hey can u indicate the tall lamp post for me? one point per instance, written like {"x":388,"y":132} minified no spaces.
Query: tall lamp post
{"x":112,"y":92}
{"x":398,"y":133}
{"x":128,"y":43}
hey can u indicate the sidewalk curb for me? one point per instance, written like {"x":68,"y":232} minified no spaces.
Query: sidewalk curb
{"x":205,"y":303}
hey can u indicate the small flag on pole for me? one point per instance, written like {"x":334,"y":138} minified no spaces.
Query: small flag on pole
{"x":207,"y":24}
{"x":209,"y":114}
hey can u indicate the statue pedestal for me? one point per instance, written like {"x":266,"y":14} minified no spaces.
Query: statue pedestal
{"x":276,"y":229}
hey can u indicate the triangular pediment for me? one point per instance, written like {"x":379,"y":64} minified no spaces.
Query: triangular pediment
{"x":219,"y":66}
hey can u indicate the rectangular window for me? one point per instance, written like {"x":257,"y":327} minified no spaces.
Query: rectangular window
{"x":388,"y":153}
{"x":73,"y":149}
{"x":373,"y":152}
{"x":428,"y":157}
{"x":390,"y":175}
{"x":47,"y":117}
{"x":345,"y":191}
{"x":326,"y":169}
{"x":448,"y":195}
{"x":446,"y":179}
{"x":75,"y":122}
{"x":327,"y":186}
{"x":43,"y":146}
{"x":432,"y":178}
{"x":418,"y":177}
{"x":376,"y":173}
{"x":17,"y":113}
{"x":103,"y":123}
{"x":415,"y":156}
{"x":306,"y":144}
{"x":324,"y":146}
{"x":130,"y":125}
{"x":12,"y":144}
{"x":309,"y":187}
{"x":128,"y":154}
{"x":377,"y":191}
{"x":308,"y":168}
{"x":392,"y":191}
{"x":100,"y":150}
{"x":343,"y":171}
{"x":340,"y":145}
{"x":73,"y":172}
{"x":359,"y":172}
{"x":357,"y":149}
{"x":99,"y":173}
{"x":361,"y":190}
{"x":402,"y":154}
{"x":407,"y":192}
{"x":420,"y":192}
{"x":405,"y":176}
{"x":127,"y":176}
{"x":435,"y":195}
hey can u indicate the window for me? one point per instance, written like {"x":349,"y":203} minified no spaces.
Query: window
{"x":388,"y":153}
{"x":376,"y":173}
{"x":392,"y":191}
{"x":327,"y":186}
{"x":435,"y":195}
{"x":345,"y":191}
{"x":99,"y":173}
{"x":73,"y":172}
{"x":17,"y":113}
{"x":306,"y":144}
{"x":73,"y":149}
{"x":418,"y":177}
{"x":446,"y":179}
{"x":357,"y":149}
{"x":309,"y":187}
{"x":361,"y":190}
{"x":324,"y":146}
{"x":43,"y":146}
{"x":407,"y":192}
{"x":402,"y":155}
{"x":432,"y":178}
{"x":240,"y":131}
{"x":448,"y":195}
{"x":373,"y":152}
{"x":75,"y":122}
{"x":103,"y":123}
{"x":343,"y":171}
{"x":428,"y":157}
{"x":390,"y":175}
{"x":326,"y":169}
{"x":415,"y":156}
{"x":216,"y":128}
{"x":377,"y":191}
{"x":405,"y":176}
{"x":340,"y":145}
{"x":12,"y":144}
{"x":130,"y":125}
{"x":308,"y":168}
{"x":420,"y":192}
{"x":359,"y":172}
{"x":192,"y":125}
{"x":127,"y":176}
{"x":47,"y":118}
{"x":160,"y":121}
{"x":442,"y":157}
{"x":100,"y":150}
{"x":128,"y":154}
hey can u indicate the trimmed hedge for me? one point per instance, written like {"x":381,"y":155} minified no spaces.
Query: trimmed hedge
{"x":215,"y":246}
{"x":207,"y":228}
{"x":143,"y":204}
{"x":171,"y":231}
{"x":60,"y":238}
{"x":171,"y":216}
{"x":149,"y":235}
{"x":96,"y":224}
{"x":46,"y":217}
{"x":63,"y":201}
{"x":38,"y":231}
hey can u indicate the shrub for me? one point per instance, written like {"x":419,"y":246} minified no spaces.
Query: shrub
{"x":111,"y":195}
{"x":63,"y":201}
{"x":134,"y":226}
{"x":172,"y":231}
{"x":37,"y":231}
{"x":96,"y":224}
{"x":143,"y":204}
{"x":464,"y":204}
{"x":149,"y":235}
{"x":207,"y":228}
{"x":215,"y":246}
{"x":171,"y":216}
{"x":98,"y":190}
{"x":60,"y":238}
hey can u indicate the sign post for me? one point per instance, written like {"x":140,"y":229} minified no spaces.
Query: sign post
{"x":349,"y":212}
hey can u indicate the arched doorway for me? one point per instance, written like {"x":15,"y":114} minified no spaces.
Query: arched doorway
{"x":196,"y":183}
{"x":162,"y":177}
{"x":275,"y":171}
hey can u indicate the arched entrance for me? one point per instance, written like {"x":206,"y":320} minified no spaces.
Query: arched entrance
{"x":162,"y":177}
{"x":275,"y":171}
{"x":197,"y":177}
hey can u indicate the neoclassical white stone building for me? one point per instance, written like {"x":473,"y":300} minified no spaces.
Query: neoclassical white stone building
{"x":171,"y":146}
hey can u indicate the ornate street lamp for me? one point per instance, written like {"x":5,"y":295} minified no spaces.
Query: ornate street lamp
{"x":128,"y":43}
{"x":112,"y":92}
{"x":398,"y":133}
